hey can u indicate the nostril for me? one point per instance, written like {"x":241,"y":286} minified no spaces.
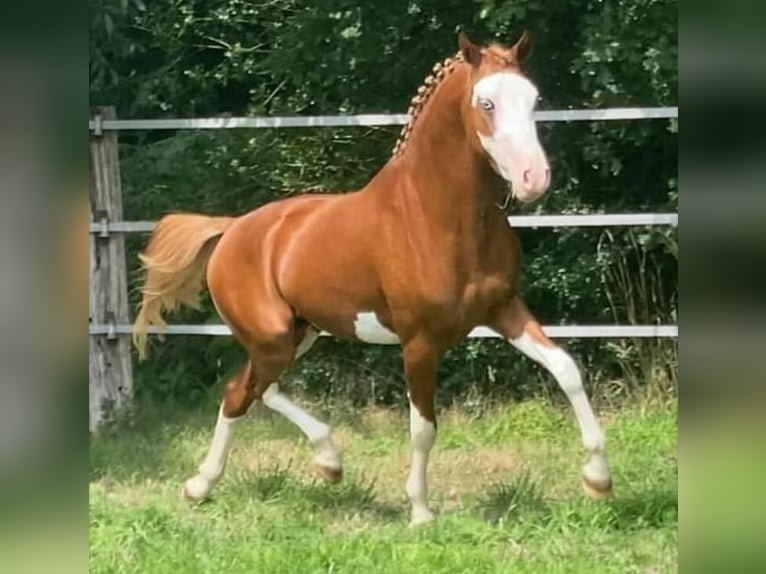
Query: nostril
{"x":527,"y":176}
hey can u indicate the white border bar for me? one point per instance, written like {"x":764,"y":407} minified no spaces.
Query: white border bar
{"x":566,"y":220}
{"x":554,"y":331}
{"x":364,"y":120}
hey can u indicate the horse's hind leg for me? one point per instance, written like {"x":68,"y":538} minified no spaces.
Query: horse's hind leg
{"x":327,"y":459}
{"x":237,"y":398}
{"x":258,"y":380}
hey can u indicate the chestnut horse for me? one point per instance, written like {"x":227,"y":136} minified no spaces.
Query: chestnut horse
{"x":418,"y":257}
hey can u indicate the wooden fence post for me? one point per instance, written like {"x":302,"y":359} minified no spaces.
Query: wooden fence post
{"x":110,"y":369}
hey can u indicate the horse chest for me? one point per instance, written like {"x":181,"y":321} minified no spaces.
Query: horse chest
{"x":450,"y":313}
{"x":458,"y":304}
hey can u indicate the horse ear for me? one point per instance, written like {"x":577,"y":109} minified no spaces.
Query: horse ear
{"x":471,"y":52}
{"x":523,"y":48}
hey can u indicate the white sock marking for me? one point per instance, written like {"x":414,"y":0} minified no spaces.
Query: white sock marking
{"x":423,"y":435}
{"x":316,"y":431}
{"x":565,"y":371}
{"x":212,"y":469}
{"x":370,"y":330}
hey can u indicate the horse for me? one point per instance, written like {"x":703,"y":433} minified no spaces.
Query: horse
{"x":418,"y":257}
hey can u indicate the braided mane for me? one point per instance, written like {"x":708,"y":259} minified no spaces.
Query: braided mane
{"x":440,"y":71}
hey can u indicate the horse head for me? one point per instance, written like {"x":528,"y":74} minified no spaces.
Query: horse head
{"x":501,"y":115}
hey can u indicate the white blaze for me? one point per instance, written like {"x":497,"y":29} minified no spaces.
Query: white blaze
{"x":513,"y":143}
{"x":514,"y":98}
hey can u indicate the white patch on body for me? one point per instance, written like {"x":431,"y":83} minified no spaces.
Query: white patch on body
{"x":316,"y":431}
{"x":368,"y":329}
{"x":563,"y":368}
{"x":423,"y":435}
{"x":212,"y":469}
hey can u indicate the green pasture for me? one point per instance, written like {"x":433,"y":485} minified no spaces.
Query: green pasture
{"x":505,"y":484}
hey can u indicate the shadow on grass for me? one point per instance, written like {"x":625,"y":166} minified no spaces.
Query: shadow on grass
{"x":522,"y":498}
{"x":280,"y":485}
{"x":129,"y":458}
{"x":653,"y":509}
{"x":145,"y":444}
{"x":162,"y":446}
{"x":163,"y":443}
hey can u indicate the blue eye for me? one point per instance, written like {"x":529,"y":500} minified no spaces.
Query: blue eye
{"x":486,"y":104}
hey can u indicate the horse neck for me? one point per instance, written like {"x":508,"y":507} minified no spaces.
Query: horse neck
{"x":452,"y":182}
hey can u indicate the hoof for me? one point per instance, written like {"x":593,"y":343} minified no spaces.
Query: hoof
{"x":421,"y":518}
{"x":330,"y":474}
{"x":597,"y":489}
{"x":196,"y":489}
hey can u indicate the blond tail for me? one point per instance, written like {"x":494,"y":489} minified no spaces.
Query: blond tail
{"x":174,"y":262}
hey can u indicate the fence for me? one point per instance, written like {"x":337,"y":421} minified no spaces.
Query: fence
{"x":109,"y":348}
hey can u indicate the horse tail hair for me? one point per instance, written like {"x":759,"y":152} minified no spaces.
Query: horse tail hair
{"x":174,"y":264}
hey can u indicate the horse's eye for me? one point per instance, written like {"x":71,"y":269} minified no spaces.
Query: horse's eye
{"x":486,"y":104}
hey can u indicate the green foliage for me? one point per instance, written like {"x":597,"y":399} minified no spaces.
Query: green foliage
{"x":214,"y":57}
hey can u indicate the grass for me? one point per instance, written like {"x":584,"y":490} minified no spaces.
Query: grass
{"x":505,"y":486}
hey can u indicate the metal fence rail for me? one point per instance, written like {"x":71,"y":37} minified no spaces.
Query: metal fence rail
{"x":568,"y":220}
{"x":98,"y":124}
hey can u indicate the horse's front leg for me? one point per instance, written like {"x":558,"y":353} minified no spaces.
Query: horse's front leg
{"x":421,"y":360}
{"x":515,"y":322}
